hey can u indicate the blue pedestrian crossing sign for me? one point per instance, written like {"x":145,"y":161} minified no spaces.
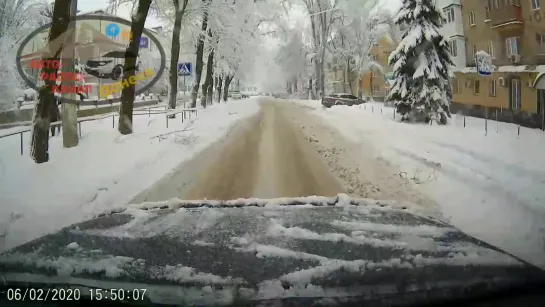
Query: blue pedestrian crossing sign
{"x":184,"y":69}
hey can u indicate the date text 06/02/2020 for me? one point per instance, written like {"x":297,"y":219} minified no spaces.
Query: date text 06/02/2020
{"x":74,"y":294}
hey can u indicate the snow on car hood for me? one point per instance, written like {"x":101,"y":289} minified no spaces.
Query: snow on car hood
{"x":259,"y":249}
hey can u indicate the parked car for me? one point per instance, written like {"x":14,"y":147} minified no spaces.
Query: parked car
{"x":109,"y":65}
{"x":342,"y":99}
{"x":245,"y":95}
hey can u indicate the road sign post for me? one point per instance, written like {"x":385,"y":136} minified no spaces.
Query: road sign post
{"x":184,"y":69}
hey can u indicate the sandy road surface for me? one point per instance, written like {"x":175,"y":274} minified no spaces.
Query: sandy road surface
{"x":283,"y":151}
{"x":264,"y":157}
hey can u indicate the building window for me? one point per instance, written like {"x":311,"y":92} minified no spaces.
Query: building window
{"x":453,"y":48}
{"x":471,"y":18}
{"x":449,"y":14}
{"x":474,"y":50}
{"x":536,"y":4}
{"x":515,"y":94}
{"x":492,"y":88}
{"x":373,"y":57}
{"x":540,"y":40}
{"x":455,"y":86}
{"x":493,"y":4}
{"x":476,"y":87}
{"x":491,"y":49}
{"x":512,"y":44}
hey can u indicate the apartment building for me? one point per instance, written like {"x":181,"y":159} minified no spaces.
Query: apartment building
{"x":453,"y":30}
{"x":513,"y":33}
{"x":375,"y":82}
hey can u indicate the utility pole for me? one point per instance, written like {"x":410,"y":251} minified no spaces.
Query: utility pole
{"x":69,"y":108}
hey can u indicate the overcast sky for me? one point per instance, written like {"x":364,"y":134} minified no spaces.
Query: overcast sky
{"x":124,"y":11}
{"x":89,"y":5}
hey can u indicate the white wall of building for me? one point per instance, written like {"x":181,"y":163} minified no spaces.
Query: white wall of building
{"x":453,"y":30}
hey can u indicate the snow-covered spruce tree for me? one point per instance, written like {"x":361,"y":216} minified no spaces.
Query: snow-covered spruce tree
{"x":421,"y":64}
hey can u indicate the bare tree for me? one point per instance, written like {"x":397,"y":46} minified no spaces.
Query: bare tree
{"x":39,"y":150}
{"x":175,"y":52}
{"x":200,"y":50}
{"x":128,"y":92}
{"x":323,"y":14}
{"x":208,"y":80}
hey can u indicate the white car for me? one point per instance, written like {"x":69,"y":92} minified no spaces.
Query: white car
{"x":236,"y":95}
{"x":108,"y":66}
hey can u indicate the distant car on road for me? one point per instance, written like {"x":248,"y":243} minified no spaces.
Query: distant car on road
{"x":342,"y":99}
{"x":236,"y":95}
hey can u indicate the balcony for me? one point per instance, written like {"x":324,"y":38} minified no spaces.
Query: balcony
{"x":506,"y":18}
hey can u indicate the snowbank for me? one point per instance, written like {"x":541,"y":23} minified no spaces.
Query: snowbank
{"x":490,"y":186}
{"x":105,"y":170}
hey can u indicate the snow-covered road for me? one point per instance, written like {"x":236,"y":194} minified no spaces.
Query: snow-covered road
{"x":490,"y":185}
{"x":283,"y":151}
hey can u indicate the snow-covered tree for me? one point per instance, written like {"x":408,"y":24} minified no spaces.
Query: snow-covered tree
{"x":421,"y":64}
{"x":128,"y":94}
{"x":323,"y":15}
{"x":355,"y":35}
{"x":292,"y":58}
{"x":17,"y":19}
{"x":39,"y":147}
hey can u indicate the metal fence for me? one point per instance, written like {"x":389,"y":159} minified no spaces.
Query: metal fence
{"x":186,"y":114}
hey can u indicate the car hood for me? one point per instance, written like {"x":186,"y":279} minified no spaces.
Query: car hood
{"x":220,"y":252}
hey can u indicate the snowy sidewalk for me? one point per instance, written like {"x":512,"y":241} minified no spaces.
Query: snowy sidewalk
{"x":492,"y":187}
{"x":105,"y":170}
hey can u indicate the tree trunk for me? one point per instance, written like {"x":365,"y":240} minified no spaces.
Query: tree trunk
{"x":69,"y":111}
{"x":200,"y":50}
{"x":207,"y":87}
{"x":39,"y":150}
{"x":218,"y":88}
{"x":228,"y":80}
{"x":127,"y":94}
{"x":371,"y":85}
{"x":316,"y":43}
{"x":175,"y":54}
{"x":316,"y":91}
{"x":322,"y":79}
{"x":219,"y":83}
{"x":360,"y":91}
{"x":345,"y":76}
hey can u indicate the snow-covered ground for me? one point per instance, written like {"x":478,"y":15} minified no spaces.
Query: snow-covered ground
{"x":490,"y":186}
{"x":105,"y":170}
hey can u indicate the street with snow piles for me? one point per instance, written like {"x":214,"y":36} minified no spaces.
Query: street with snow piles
{"x":264,"y":148}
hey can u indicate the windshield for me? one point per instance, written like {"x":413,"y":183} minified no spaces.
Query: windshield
{"x":302,"y":148}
